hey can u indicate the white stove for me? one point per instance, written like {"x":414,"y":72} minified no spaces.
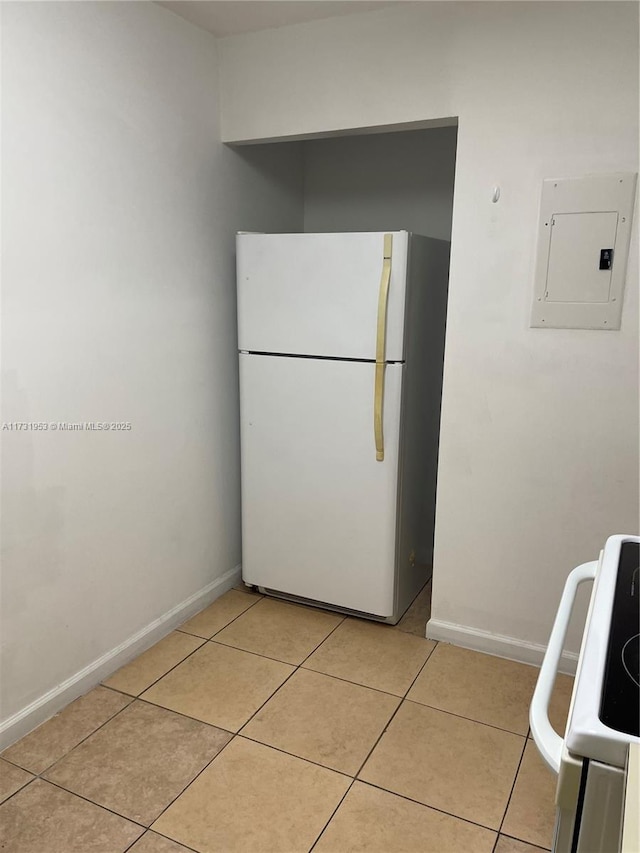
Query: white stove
{"x":603,"y":725}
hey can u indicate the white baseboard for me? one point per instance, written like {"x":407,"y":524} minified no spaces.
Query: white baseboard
{"x":23,"y":721}
{"x":496,"y":644}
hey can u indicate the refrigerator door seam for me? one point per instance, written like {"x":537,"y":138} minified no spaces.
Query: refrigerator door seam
{"x":316,"y":357}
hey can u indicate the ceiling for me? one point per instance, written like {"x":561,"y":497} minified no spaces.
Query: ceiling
{"x":229,"y":17}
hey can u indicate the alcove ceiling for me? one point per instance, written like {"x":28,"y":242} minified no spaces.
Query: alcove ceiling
{"x":231,"y":17}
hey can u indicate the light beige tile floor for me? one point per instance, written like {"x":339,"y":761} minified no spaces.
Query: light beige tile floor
{"x":39,"y":749}
{"x":151,"y":665}
{"x":264,"y":800}
{"x":140,"y":761}
{"x":266,"y":726}
{"x":486,"y":689}
{"x":373,"y":655}
{"x":324,"y":719}
{"x":458,"y":766}
{"x":42,"y":817}
{"x":219,"y":614}
{"x":219,"y":685}
{"x":370,"y":819}
{"x":286,"y":632}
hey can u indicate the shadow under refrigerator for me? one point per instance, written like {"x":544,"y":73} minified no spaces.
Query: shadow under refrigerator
{"x":341,"y":340}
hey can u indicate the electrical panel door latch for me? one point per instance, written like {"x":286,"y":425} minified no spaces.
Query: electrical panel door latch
{"x":606,"y":259}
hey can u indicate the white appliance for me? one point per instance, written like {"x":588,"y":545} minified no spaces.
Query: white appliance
{"x":596,"y":796}
{"x":341,"y":340}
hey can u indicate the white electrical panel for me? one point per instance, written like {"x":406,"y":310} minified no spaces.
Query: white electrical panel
{"x":583,"y":243}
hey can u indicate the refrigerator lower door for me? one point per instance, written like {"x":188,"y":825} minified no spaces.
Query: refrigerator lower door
{"x":318,"y":509}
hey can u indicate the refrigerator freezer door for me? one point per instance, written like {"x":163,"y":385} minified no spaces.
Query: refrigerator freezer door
{"x":318,"y":510}
{"x":317,"y":294}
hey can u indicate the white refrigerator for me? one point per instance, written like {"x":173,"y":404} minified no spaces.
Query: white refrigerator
{"x":341,"y":340}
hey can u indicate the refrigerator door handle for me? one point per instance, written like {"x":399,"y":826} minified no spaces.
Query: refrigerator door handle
{"x":381,"y":346}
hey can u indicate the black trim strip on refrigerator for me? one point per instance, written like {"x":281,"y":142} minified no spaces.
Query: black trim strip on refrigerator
{"x":580,"y":805}
{"x":317,"y":357}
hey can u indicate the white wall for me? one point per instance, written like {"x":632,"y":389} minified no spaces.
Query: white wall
{"x":539,"y":450}
{"x":119,"y":210}
{"x":384,"y":181}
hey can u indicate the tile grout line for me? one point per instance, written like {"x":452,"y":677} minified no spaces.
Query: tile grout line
{"x":368,"y":755}
{"x":293,"y":755}
{"x":12,"y":763}
{"x":403,"y":699}
{"x":388,"y":723}
{"x":427,"y":806}
{"x":113,"y":690}
{"x":160,"y":677}
{"x":534,"y":846}
{"x":324,"y":640}
{"x":21,"y":788}
{"x":291,"y":674}
{"x":93,"y":803}
{"x":258,"y":654}
{"x":181,"y":713}
{"x":468,"y":719}
{"x":355,"y":683}
{"x":258,"y":598}
{"x":188,"y":785}
{"x":133,"y":843}
{"x":495,"y":843}
{"x":379,"y":738}
{"x":333,"y":813}
{"x":435,"y":646}
{"x":513,"y":785}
